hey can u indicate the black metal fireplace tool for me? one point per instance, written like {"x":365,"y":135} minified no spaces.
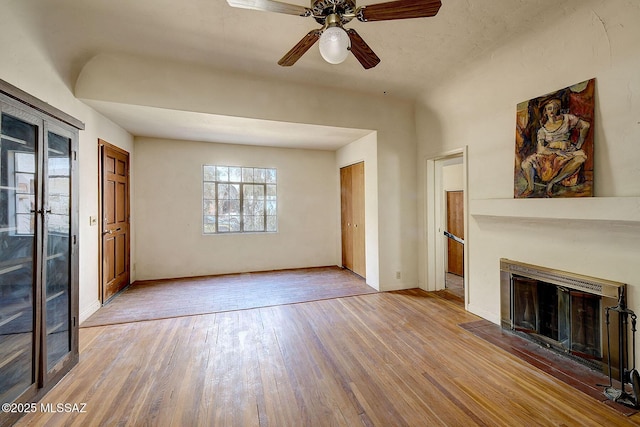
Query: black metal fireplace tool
{"x":629,"y":377}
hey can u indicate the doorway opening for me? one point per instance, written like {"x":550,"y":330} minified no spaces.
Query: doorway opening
{"x":446,"y":221}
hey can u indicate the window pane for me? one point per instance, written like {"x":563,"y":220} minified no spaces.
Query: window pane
{"x":223,"y":223}
{"x":59,"y":185}
{"x":234,"y":191}
{"x":235,"y":174}
{"x":209,"y":207}
{"x":258,"y":192}
{"x":234,"y":207}
{"x":223,"y":191}
{"x":247,"y":174}
{"x":271,"y":176}
{"x":258,"y":223}
{"x":222,"y":173}
{"x":247,"y":191}
{"x":229,"y":207}
{"x":253,"y":191}
{"x":259,"y":175}
{"x":59,"y":166}
{"x":25,"y":183}
{"x":209,"y":190}
{"x":258,"y":208}
{"x":248,"y":223}
{"x":209,"y":228}
{"x":223,"y":207}
{"x":59,"y":204}
{"x":25,"y":203}
{"x":25,"y":162}
{"x":209,"y":173}
{"x":234,"y":223}
{"x":271,"y":192}
{"x":272,"y":223}
{"x":271,"y":207}
{"x":58,"y":261}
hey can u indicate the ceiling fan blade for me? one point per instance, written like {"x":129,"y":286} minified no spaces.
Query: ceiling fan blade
{"x":271,"y":6}
{"x":300,"y":49}
{"x":400,"y":9}
{"x":362,"y":51}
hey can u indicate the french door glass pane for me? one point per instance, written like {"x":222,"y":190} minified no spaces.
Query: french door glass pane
{"x":17,"y":240}
{"x":58,"y":260}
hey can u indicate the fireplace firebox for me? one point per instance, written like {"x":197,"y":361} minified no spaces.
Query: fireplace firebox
{"x":562,"y":311}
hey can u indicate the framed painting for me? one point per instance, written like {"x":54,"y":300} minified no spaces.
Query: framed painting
{"x":554,"y":144}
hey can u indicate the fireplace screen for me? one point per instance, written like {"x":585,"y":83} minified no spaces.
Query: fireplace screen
{"x":561,"y":310}
{"x":558,"y":316}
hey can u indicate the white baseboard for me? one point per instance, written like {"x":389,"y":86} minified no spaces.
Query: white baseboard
{"x":395,"y":287}
{"x":92,"y":308}
{"x":492,"y":317}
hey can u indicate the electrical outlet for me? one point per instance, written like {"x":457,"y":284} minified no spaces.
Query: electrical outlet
{"x":398,"y":275}
{"x":93,"y":220}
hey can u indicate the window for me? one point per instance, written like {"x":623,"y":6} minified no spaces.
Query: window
{"x":239,"y":200}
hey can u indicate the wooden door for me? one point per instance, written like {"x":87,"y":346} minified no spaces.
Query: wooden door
{"x":455,"y":226}
{"x":352,"y":211}
{"x":346,"y":221}
{"x":115,"y":243}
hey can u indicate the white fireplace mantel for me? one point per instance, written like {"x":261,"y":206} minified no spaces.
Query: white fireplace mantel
{"x":622,"y":210}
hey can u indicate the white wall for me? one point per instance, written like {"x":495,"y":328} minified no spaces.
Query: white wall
{"x":26,"y":65}
{"x":597,"y":39}
{"x":452,"y":177}
{"x":169,"y":237}
{"x":145,"y":81}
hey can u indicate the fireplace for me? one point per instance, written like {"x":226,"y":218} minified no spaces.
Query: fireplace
{"x":562,"y":311}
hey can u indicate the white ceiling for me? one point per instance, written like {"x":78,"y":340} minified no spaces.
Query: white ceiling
{"x":416,"y":54}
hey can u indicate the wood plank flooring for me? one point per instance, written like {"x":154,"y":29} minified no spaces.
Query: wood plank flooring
{"x":383,"y":359}
{"x":162,"y":299}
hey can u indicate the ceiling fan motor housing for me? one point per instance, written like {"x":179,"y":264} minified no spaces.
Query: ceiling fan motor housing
{"x":334,"y":14}
{"x":346,"y":9}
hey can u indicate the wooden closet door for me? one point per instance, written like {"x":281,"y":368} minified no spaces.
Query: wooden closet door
{"x":357,"y":214}
{"x":352,"y":213}
{"x":346,"y":220}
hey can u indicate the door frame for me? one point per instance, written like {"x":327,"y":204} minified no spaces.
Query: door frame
{"x":435,"y":245}
{"x":101,"y":145}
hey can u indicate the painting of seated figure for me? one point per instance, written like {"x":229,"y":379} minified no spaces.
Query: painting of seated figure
{"x":554,"y":144}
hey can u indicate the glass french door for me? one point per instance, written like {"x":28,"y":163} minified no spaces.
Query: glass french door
{"x":57,"y":246}
{"x":20,"y":139}
{"x":35,"y":251}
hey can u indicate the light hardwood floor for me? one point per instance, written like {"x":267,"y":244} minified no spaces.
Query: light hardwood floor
{"x":385,"y":359}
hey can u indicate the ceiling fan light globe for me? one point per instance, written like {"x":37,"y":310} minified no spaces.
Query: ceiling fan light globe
{"x":334,"y":45}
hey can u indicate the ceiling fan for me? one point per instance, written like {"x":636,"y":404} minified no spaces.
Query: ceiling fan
{"x":335,"y":41}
